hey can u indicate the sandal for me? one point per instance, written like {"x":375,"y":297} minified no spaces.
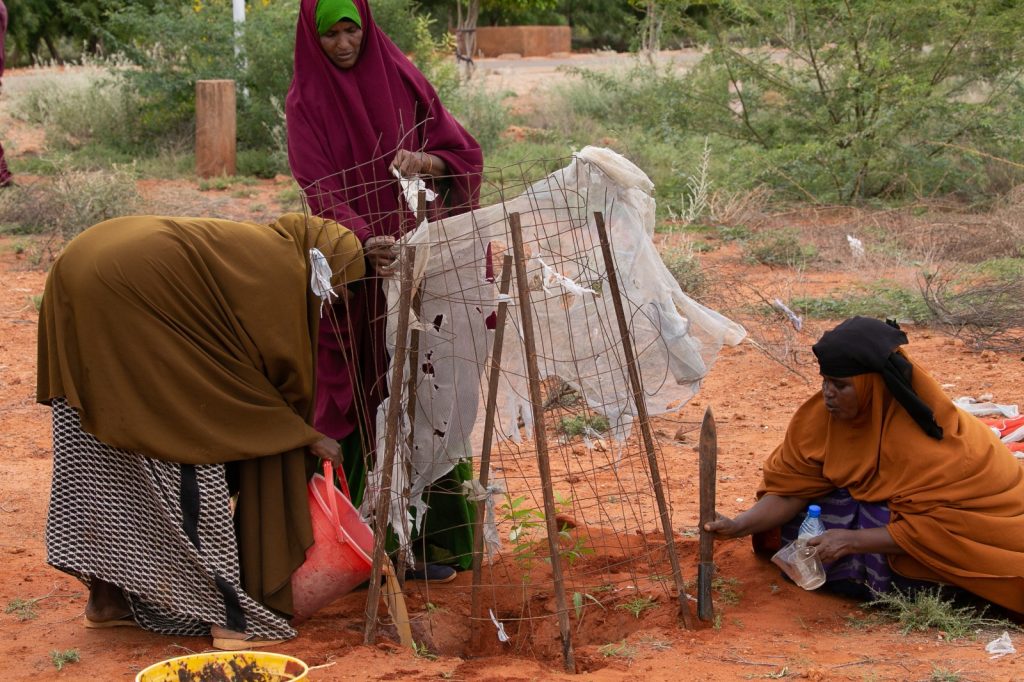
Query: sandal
{"x":126,"y":621}
{"x":239,"y":641}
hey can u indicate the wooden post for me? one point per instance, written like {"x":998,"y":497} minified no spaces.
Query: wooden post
{"x":414,"y":373}
{"x":642,"y":416}
{"x":387,"y":458}
{"x":540,"y":439}
{"x":708,"y":448}
{"x":215,"y":128}
{"x":485,"y":450}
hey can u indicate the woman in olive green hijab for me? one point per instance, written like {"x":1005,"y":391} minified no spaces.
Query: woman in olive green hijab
{"x":178,"y":355}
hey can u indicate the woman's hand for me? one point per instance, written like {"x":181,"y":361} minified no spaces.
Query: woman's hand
{"x":380,"y":254}
{"x":836,"y":543}
{"x":724,"y":528}
{"x":329,"y":449}
{"x":769,"y":512}
{"x":409,"y":163}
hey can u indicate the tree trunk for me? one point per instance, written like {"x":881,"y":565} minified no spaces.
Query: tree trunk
{"x":465,"y":43}
{"x":650,"y":37}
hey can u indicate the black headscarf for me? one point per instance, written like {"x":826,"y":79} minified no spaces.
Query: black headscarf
{"x":863,"y":344}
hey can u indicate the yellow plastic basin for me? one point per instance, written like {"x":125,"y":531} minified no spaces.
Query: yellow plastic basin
{"x":226,"y":666}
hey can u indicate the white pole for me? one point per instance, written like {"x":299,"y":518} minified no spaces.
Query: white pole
{"x":238,"y":14}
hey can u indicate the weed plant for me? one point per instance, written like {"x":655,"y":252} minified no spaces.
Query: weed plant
{"x":929,"y":609}
{"x":23,"y":609}
{"x":882,"y":299}
{"x":637,"y":606}
{"x":582,"y":425}
{"x":63,"y":658}
{"x":620,"y":649}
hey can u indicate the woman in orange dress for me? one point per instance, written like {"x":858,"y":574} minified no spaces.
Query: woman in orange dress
{"x":881,"y":438}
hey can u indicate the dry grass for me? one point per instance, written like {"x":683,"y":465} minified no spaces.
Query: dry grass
{"x":928,"y":253}
{"x":63,"y":205}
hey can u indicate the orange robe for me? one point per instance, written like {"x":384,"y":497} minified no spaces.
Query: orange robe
{"x":956,"y":504}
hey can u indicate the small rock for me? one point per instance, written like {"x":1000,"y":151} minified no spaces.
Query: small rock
{"x":681,"y":434}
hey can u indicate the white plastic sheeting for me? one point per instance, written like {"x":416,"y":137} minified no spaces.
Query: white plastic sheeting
{"x":676,"y":339}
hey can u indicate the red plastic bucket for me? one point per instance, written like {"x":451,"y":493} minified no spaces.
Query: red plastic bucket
{"x":339,"y":560}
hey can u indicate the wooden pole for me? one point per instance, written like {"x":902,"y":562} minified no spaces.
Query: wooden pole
{"x":708,"y":448}
{"x":414,"y":369}
{"x":387,"y":461}
{"x":540,"y":438}
{"x":485,"y":450}
{"x":215,"y":128}
{"x":642,"y":416}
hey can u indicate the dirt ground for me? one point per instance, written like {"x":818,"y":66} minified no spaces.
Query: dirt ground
{"x":767,"y":628}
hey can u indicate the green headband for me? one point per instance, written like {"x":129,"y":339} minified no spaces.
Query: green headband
{"x":330,"y":12}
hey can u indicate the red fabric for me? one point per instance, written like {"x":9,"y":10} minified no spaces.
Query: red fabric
{"x":5,"y":175}
{"x":344,"y":127}
{"x":3,"y":35}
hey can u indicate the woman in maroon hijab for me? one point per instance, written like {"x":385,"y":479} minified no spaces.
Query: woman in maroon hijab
{"x":5,"y":175}
{"x":357,"y":109}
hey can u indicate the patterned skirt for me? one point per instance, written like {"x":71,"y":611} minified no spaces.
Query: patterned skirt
{"x":160,"y":531}
{"x":861,"y":575}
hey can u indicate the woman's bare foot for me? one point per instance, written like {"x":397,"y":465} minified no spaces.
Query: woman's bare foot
{"x":106,"y":603}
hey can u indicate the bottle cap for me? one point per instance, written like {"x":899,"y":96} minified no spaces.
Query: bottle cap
{"x":814,"y":511}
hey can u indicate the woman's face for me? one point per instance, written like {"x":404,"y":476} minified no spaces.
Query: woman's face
{"x":840,"y":396}
{"x":341,"y":44}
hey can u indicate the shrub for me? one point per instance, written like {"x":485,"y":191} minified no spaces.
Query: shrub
{"x":880,"y":300}
{"x":686,"y":269}
{"x":481,"y":113}
{"x":76,"y":113}
{"x":779,"y":248}
{"x":69,"y":202}
{"x":170,"y":48}
{"x":880,"y":99}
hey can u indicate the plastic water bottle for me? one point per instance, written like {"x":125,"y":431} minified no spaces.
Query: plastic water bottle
{"x":811,"y":525}
{"x":810,"y":572}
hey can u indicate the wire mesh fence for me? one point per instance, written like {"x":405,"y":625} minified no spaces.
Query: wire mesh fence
{"x":562,"y":481}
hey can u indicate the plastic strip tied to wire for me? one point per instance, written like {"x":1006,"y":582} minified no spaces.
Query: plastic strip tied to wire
{"x":676,"y":339}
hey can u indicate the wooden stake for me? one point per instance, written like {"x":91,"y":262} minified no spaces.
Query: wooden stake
{"x":414,"y":368}
{"x":380,"y":519}
{"x":215,"y":128}
{"x":708,"y":448}
{"x":476,"y":610}
{"x":642,"y":416}
{"x":540,"y":438}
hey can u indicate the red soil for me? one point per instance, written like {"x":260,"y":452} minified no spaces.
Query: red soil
{"x":767,"y":627}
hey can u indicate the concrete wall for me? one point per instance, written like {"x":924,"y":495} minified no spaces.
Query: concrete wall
{"x":528,"y":41}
